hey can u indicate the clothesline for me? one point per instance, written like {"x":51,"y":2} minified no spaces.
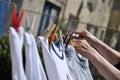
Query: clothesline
{"x":78,"y":21}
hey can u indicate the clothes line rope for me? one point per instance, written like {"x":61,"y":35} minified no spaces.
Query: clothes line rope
{"x":78,"y":21}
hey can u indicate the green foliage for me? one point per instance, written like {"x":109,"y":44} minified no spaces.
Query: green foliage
{"x":5,"y":62}
{"x":96,"y":75}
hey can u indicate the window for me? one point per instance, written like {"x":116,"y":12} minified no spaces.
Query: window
{"x":116,"y":5}
{"x":90,"y":7}
{"x":73,"y":22}
{"x":92,"y":28}
{"x":102,"y":34}
{"x":50,"y":12}
{"x":103,"y":0}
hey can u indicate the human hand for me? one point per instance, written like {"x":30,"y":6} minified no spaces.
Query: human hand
{"x":84,"y":34}
{"x":84,"y":48}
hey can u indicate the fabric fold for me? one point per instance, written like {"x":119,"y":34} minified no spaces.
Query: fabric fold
{"x":16,"y":43}
{"x":34,"y":68}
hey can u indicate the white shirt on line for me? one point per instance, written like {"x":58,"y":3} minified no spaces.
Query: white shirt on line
{"x":55,"y":62}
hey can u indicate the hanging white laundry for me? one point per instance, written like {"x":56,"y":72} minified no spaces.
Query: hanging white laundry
{"x":55,"y":62}
{"x":34,"y":68}
{"x":16,"y":42}
{"x":28,"y":54}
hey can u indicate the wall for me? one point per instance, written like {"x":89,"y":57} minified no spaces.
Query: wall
{"x":98,"y":17}
{"x":33,"y":8}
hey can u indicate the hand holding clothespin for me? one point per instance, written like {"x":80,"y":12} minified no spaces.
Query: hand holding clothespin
{"x":69,"y":37}
{"x":52,"y":36}
{"x":16,"y":19}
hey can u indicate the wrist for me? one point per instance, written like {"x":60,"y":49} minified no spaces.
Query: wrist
{"x":93,"y":41}
{"x":94,"y":55}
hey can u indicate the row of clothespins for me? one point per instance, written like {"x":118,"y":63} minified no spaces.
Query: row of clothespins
{"x":49,"y":33}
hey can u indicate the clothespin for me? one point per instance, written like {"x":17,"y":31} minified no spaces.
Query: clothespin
{"x":65,"y":38}
{"x":71,"y":43}
{"x":71,"y":36}
{"x":30,"y":27}
{"x":27,"y":22}
{"x":61,"y":40}
{"x":52,"y":36}
{"x":48,"y":31}
{"x":60,"y":34}
{"x":32,"y":23}
{"x":68,"y":38}
{"x":56,"y":38}
{"x":16,"y":19}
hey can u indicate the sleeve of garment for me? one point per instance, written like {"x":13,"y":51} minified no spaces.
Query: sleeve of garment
{"x":34,"y":68}
{"x":16,"y":41}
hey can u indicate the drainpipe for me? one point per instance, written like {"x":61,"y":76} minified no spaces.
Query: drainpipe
{"x":65,"y":5}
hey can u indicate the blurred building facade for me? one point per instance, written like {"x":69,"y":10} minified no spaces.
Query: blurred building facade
{"x":97,"y":17}
{"x":113,"y":31}
{"x":46,"y":11}
{"x":79,"y":14}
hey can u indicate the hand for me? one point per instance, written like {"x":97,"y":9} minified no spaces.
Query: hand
{"x":84,"y":34}
{"x":84,"y":48}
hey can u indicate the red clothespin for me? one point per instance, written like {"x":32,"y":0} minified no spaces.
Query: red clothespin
{"x":16,"y":20}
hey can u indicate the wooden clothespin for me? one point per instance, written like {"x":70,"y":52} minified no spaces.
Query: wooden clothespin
{"x":32,"y":23}
{"x":56,"y":38}
{"x":60,"y":34}
{"x":52,"y":36}
{"x":68,"y":39}
{"x":28,"y":25}
{"x":16,"y":19}
{"x":61,"y":40}
{"x":48,"y":31}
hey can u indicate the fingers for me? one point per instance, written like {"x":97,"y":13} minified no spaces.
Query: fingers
{"x":76,"y":42}
{"x":81,"y":49}
{"x":82,"y":44}
{"x":79,"y":43}
{"x":82,"y":34}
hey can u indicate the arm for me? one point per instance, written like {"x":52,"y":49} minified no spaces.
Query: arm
{"x":107,"y":70}
{"x":110,"y":54}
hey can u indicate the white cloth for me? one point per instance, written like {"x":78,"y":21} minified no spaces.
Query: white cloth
{"x":55,"y":63}
{"x":16,"y":42}
{"x":34,"y":68}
